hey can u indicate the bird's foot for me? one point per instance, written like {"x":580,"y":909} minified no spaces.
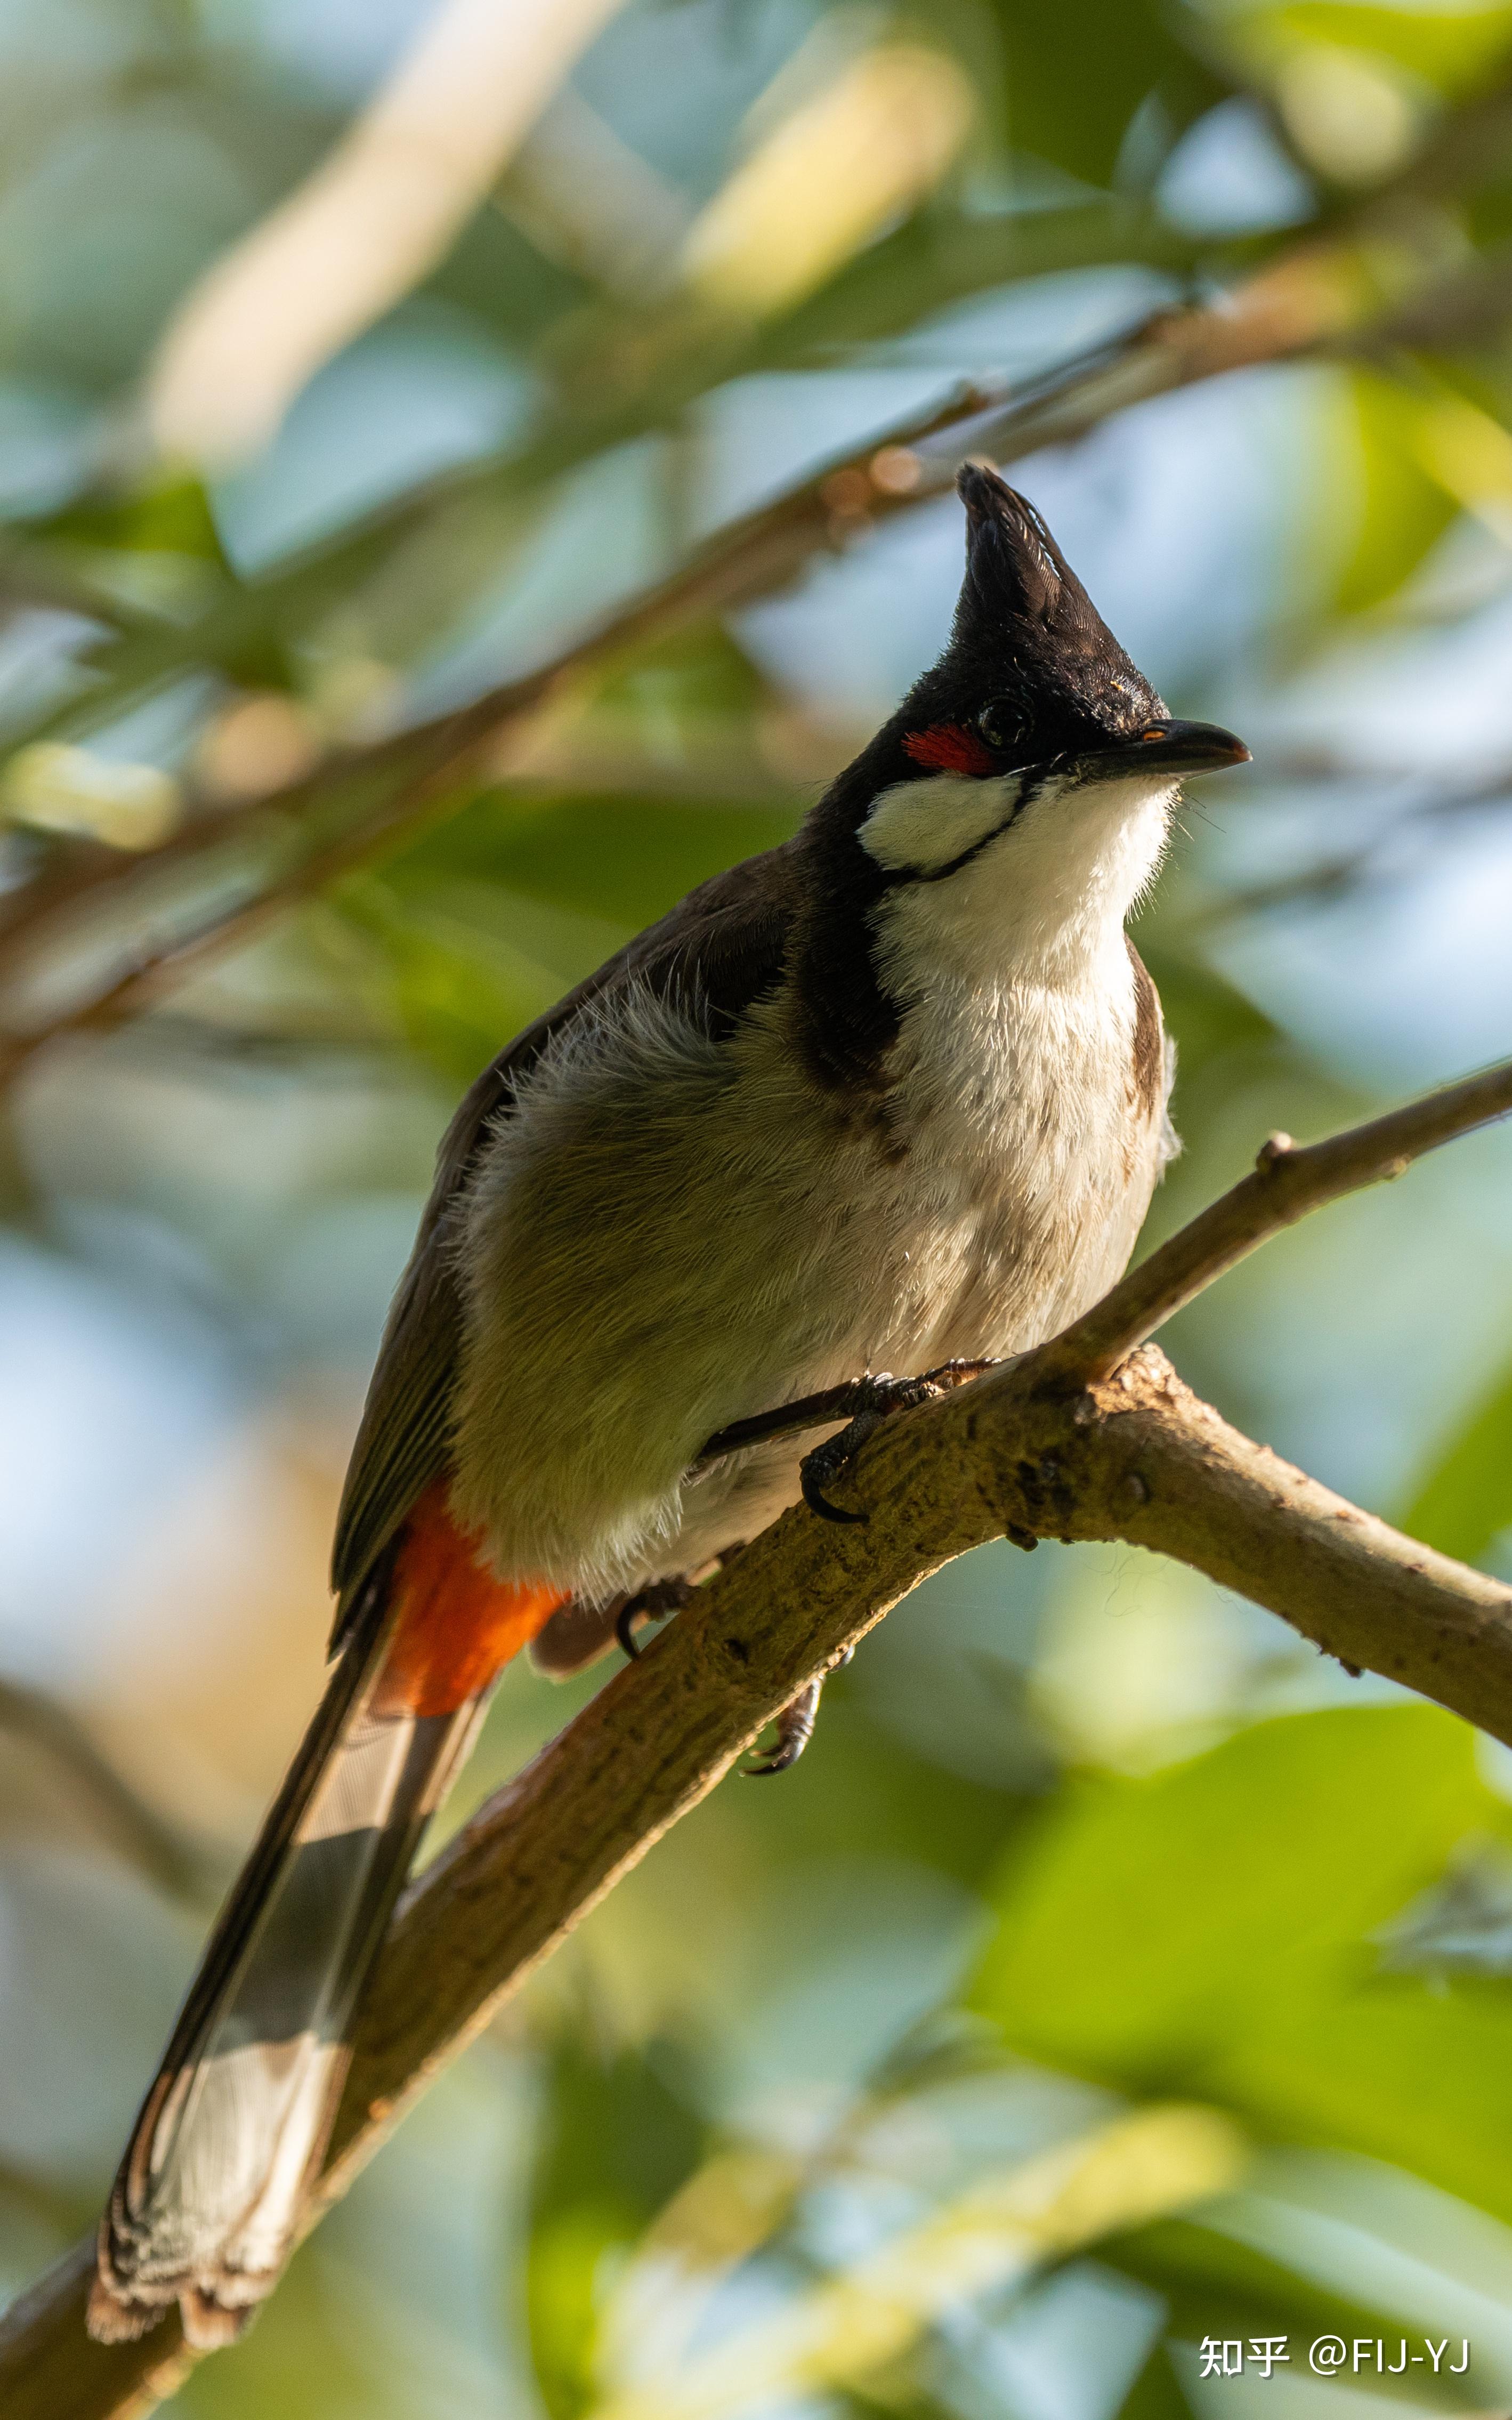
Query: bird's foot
{"x":651,"y":1604}
{"x":794,"y":1728}
{"x":843,"y":1402}
{"x":874,"y":1400}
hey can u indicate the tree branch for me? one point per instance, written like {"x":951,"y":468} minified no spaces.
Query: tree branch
{"x":1136,"y":1457}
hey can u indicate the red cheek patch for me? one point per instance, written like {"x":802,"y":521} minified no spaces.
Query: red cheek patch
{"x":948,"y":748}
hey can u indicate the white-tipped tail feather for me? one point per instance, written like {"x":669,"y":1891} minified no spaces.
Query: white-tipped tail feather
{"x":207,"y":2199}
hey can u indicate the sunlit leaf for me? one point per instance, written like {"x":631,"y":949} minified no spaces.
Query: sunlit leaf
{"x":860,"y":2320}
{"x":1465,"y":1498}
{"x":1453,"y":48}
{"x":168,"y":517}
{"x":1148,"y":1924}
{"x":1402,"y":509}
{"x":828,"y":177}
{"x":1403,"y":2071}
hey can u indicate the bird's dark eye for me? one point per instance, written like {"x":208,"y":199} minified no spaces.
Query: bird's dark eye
{"x":1003,"y":724}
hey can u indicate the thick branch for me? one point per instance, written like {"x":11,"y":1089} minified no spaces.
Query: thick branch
{"x":1042,"y":1446}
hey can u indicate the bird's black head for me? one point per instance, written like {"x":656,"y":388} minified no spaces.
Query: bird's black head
{"x":1033,"y":676}
{"x":1029,"y":772}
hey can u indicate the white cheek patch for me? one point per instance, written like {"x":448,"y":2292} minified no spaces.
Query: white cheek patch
{"x":926,"y":824}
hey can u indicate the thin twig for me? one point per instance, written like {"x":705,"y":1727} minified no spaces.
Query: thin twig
{"x":1288,"y":1181}
{"x":137,"y":1829}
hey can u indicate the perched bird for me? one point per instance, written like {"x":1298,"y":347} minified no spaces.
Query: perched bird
{"x":891,"y":1094}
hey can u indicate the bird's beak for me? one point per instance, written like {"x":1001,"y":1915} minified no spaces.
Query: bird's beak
{"x":1173,"y":749}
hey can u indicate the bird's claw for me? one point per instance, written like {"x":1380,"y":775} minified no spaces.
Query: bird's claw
{"x":794,"y":1728}
{"x":874,"y":1400}
{"x":826,"y":1464}
{"x":650,"y":1605}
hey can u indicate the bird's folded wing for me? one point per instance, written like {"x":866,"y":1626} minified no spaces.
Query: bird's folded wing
{"x":719,"y":951}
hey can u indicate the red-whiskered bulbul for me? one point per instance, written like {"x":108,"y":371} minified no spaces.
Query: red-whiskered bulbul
{"x":890,"y":1094}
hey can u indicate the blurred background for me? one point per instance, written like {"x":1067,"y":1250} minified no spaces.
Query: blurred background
{"x":1115,"y":1972}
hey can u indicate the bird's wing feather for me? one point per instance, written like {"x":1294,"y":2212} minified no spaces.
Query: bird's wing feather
{"x":720,"y":949}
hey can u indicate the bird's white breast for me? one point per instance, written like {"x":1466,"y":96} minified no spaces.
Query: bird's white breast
{"x":1031,"y":1154}
{"x":1018,"y":1094}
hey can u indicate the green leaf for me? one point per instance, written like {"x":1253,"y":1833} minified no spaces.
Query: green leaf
{"x":697,"y":675}
{"x":617,"y":2147}
{"x":1402,"y":509}
{"x":1151,"y":1924}
{"x":1466,"y":1497}
{"x":169,"y":516}
{"x":1156,"y":2393}
{"x":1454,"y":49}
{"x":1205,"y":1014}
{"x":1076,"y":75}
{"x":1404,"y":2071}
{"x":469,"y":966}
{"x":626,"y":856}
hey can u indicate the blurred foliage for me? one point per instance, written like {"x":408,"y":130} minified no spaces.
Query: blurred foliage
{"x":1114,"y":1972}
{"x":1116,"y":1960}
{"x":1404,"y":509}
{"x":616,"y":2146}
{"x":1465,"y":1499}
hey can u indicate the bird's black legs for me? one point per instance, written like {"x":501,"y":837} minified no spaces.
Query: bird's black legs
{"x":863,"y":1405}
{"x":862,"y":1402}
{"x":876,"y":1399}
{"x":880,"y":1395}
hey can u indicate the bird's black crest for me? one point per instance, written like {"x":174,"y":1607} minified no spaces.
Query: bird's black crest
{"x":1025,"y":623}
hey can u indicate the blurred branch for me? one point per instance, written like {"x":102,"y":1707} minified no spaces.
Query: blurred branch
{"x":135,"y":1828}
{"x":855,"y":2321}
{"x":1331,"y":876}
{"x":365,"y":798}
{"x":385,"y":205}
{"x":1136,"y":1457}
{"x":623,"y":381}
{"x":618,"y":374}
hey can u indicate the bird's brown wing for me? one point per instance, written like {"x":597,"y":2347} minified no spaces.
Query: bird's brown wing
{"x":720,"y":949}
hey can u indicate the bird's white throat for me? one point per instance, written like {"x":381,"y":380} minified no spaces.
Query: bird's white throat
{"x":1047,"y":892}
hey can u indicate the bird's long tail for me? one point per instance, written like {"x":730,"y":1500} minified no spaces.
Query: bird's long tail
{"x":208,"y":2196}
